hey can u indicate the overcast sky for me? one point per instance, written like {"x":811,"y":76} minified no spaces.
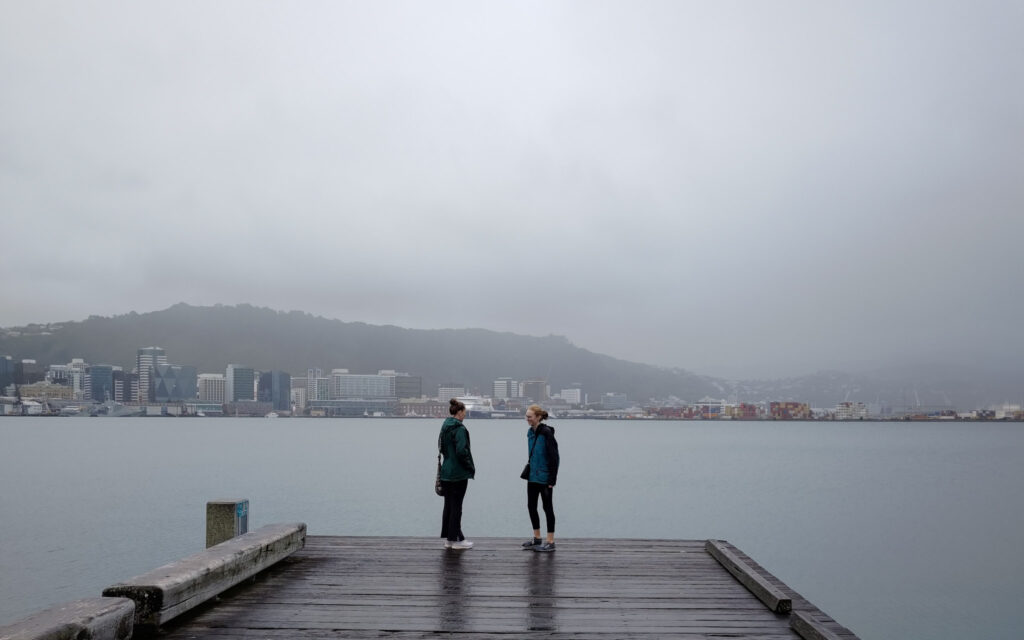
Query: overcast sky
{"x":745,"y":189}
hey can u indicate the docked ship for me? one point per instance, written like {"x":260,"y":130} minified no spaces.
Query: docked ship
{"x":477,"y":406}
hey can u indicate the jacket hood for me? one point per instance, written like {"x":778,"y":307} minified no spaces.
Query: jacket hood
{"x":451,"y":423}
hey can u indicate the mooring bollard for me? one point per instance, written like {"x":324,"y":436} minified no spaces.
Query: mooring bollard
{"x":226,"y":519}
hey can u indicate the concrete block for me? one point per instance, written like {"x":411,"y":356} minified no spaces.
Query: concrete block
{"x":89,"y":619}
{"x":226,"y":519}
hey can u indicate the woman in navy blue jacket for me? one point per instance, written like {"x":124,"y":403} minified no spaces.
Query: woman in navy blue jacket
{"x":543,"y":452}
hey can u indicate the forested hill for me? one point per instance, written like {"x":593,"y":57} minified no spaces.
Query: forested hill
{"x":210,"y":338}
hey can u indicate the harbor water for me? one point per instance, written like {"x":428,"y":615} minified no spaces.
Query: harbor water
{"x":897,"y":530}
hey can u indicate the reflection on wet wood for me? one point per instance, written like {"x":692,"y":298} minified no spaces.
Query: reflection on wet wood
{"x":411,"y":587}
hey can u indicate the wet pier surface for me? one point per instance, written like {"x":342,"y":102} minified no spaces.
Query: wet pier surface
{"x":341,"y":587}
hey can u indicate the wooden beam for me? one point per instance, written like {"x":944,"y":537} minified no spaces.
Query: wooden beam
{"x":757,"y":584}
{"x":173,"y":589}
{"x":88,"y":619}
{"x":809,"y":628}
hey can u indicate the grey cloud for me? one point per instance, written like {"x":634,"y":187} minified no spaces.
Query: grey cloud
{"x":736,"y":188}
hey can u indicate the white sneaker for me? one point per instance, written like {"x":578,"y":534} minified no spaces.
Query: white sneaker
{"x":465,"y":544}
{"x":448,"y":544}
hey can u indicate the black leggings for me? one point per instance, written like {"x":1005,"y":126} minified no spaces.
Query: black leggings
{"x":451,"y":517}
{"x":546,"y":493}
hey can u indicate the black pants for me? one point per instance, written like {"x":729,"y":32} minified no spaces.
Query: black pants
{"x":451,"y":517}
{"x":534,"y":489}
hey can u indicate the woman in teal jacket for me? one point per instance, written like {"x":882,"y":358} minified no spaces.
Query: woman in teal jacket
{"x":456,"y":470}
{"x":544,"y":459}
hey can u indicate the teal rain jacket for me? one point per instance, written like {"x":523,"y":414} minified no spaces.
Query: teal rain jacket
{"x":458,"y":458}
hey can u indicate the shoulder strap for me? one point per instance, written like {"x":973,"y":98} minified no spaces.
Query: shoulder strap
{"x":533,"y":446}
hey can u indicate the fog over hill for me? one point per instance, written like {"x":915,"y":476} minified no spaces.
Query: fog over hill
{"x":210,"y":338}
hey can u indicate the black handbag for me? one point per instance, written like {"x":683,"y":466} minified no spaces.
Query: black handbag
{"x":438,"y":487}
{"x":525,"y":475}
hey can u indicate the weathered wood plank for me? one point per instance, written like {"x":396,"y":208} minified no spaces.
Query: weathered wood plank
{"x":88,"y":619}
{"x":769,"y":594}
{"x":168,"y":591}
{"x":809,"y":628}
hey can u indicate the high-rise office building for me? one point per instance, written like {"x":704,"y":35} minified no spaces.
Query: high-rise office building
{"x":505,"y":388}
{"x":145,"y":359}
{"x":211,"y":388}
{"x":407,"y":386}
{"x":275,"y":387}
{"x":174,"y":383}
{"x":535,"y":390}
{"x":99,"y":382}
{"x":239,"y":383}
{"x":6,"y":373}
{"x":126,"y":385}
{"x":318,"y":387}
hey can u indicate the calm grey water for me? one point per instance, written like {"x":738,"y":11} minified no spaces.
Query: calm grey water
{"x":896,"y":530}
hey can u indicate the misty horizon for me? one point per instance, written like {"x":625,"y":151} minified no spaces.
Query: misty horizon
{"x":913,"y":368}
{"x":738,"y":190}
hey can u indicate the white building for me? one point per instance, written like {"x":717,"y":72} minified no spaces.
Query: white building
{"x":450,"y":390}
{"x":211,"y":387}
{"x":145,"y":359}
{"x":318,"y":387}
{"x":572,"y":396}
{"x":357,"y":385}
{"x":299,"y":398}
{"x":851,"y":411}
{"x":505,"y":388}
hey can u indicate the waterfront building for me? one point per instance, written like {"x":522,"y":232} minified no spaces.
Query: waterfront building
{"x":318,"y":387}
{"x":6,"y":373}
{"x":239,"y":383}
{"x":423,"y":408}
{"x":851,"y":411}
{"x":614,"y":401}
{"x":353,"y":407}
{"x":211,"y":388}
{"x":173,"y":383}
{"x":44,"y":390}
{"x":354,"y":385}
{"x":126,"y":385}
{"x":450,"y":390}
{"x":298,"y":397}
{"x":572,"y":396}
{"x":275,"y":387}
{"x":406,"y":386}
{"x":505,"y":388}
{"x":145,"y":359}
{"x":535,"y":390}
{"x":28,"y":371}
{"x":99,"y":382}
{"x":58,"y":374}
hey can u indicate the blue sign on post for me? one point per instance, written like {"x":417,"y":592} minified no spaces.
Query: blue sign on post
{"x":242,"y":517}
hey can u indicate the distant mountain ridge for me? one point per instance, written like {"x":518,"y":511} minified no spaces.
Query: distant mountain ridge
{"x":210,"y":338}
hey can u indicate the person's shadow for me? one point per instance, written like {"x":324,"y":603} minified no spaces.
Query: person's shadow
{"x":541,"y":585}
{"x":451,"y":615}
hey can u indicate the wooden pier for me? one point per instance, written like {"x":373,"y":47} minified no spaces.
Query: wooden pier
{"x":350,"y":587}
